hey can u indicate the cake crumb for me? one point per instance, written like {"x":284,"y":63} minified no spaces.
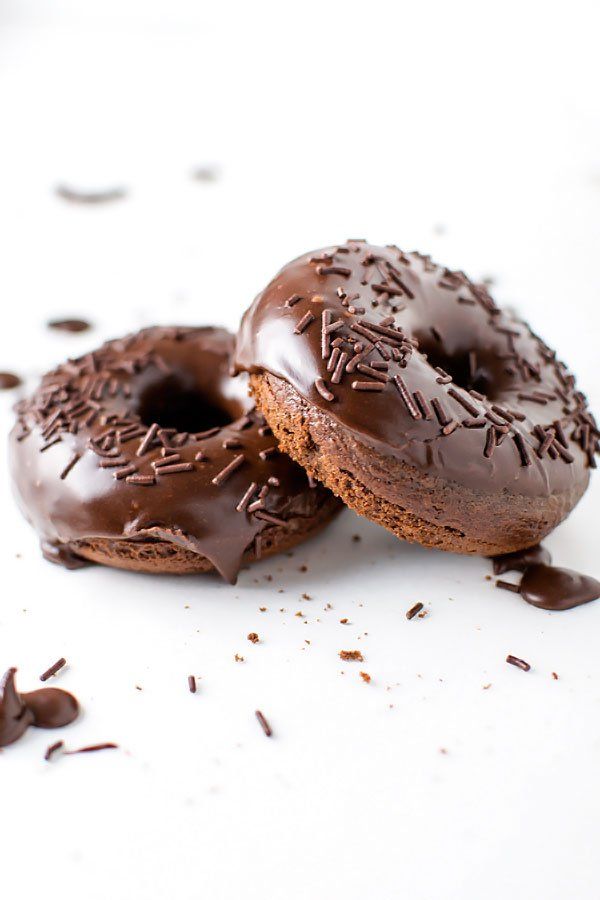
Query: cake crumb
{"x":238,"y":658}
{"x":253,"y":637}
{"x":365,"y":677}
{"x":351,"y":655}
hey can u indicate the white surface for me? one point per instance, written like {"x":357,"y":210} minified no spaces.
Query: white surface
{"x":326,"y":121}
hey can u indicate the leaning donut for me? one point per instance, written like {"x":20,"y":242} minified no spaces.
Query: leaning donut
{"x":147,"y":455}
{"x":402,"y":387}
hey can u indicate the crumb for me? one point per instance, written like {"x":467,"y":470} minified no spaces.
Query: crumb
{"x":303,"y":568}
{"x":282,"y":609}
{"x":328,"y":606}
{"x":486,"y":687}
{"x":356,"y":538}
{"x":280,"y":591}
{"x":351,"y":655}
{"x":423,"y":614}
{"x":443,"y":751}
{"x":365,"y":677}
{"x":253,"y":637}
{"x":343,"y":621}
{"x":268,"y":578}
{"x":488,"y":577}
{"x":205,"y":173}
{"x":186,"y":605}
{"x":555,"y":676}
{"x":306,"y":642}
{"x":137,"y":687}
{"x":306,"y":597}
{"x":238,"y":658}
{"x":299,"y":614}
{"x":262,"y":608}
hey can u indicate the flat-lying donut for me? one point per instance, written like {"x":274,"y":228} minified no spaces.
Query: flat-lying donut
{"x":147,"y":455}
{"x":402,"y":387}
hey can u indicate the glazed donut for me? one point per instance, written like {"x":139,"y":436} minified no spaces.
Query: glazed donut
{"x":147,"y":455}
{"x":402,"y":387}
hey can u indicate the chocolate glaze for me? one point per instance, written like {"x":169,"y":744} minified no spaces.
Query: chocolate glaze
{"x":549,"y":587}
{"x":9,"y":380}
{"x":44,"y":708}
{"x":520,"y":559}
{"x":526,"y":429}
{"x":86,"y":464}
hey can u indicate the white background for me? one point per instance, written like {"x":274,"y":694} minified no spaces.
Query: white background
{"x":468,"y":130}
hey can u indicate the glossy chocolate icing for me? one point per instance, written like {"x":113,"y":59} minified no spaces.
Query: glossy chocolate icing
{"x":44,"y":708}
{"x":131,"y":442}
{"x":549,"y":587}
{"x":449,"y":383}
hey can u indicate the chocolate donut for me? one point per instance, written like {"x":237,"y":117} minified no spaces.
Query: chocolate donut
{"x":147,"y":455}
{"x":401,"y":386}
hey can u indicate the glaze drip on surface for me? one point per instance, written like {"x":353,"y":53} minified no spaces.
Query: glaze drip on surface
{"x":544,"y":585}
{"x":44,"y":708}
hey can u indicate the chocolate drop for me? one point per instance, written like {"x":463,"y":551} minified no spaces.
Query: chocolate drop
{"x":9,"y":380}
{"x":44,"y":708}
{"x":549,"y":587}
{"x":520,"y":560}
{"x":51,"y":707}
{"x":15,"y":718}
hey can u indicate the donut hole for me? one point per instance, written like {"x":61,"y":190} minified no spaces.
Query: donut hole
{"x":472,"y":370}
{"x":173,"y":404}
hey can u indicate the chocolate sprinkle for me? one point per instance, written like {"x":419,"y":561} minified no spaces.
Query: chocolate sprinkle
{"x":56,"y":667}
{"x":263,"y":723}
{"x":519,"y":663}
{"x":412,"y":612}
{"x":73,"y":326}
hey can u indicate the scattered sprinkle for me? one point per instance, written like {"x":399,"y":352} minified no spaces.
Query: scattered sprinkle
{"x":412,"y":612}
{"x":53,"y":669}
{"x":519,"y":663}
{"x":263,"y":723}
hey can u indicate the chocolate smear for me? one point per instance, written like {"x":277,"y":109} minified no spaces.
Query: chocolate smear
{"x":73,"y":326}
{"x":549,"y":587}
{"x":520,"y":560}
{"x":9,"y":380}
{"x":44,"y":708}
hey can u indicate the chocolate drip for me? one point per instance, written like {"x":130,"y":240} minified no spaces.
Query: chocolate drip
{"x":62,"y":555}
{"x":44,"y":708}
{"x":520,"y":560}
{"x":549,"y":587}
